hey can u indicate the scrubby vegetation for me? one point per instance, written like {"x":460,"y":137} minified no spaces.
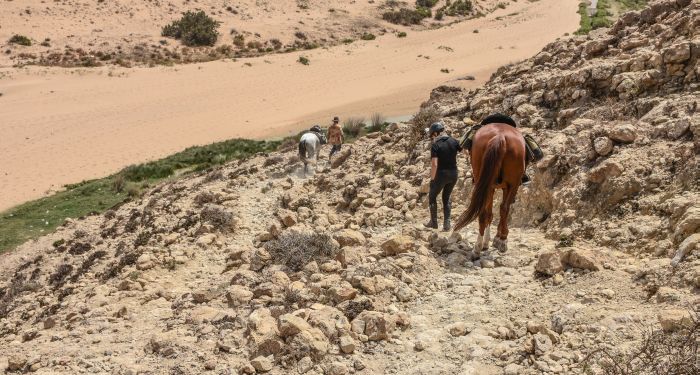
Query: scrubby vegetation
{"x":426,"y":3}
{"x":405,"y":16}
{"x":353,"y":126}
{"x":36,"y":218}
{"x":368,"y":36}
{"x":603,"y":16}
{"x":303,"y":60}
{"x":193,"y":29}
{"x":658,"y":352}
{"x":420,"y":121}
{"x":459,"y":8}
{"x":377,"y":122}
{"x":21,"y":40}
{"x":295,"y":250}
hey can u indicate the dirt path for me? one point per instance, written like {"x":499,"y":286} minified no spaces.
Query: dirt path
{"x":63,"y":126}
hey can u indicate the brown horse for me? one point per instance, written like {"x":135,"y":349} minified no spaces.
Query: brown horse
{"x":498,"y":162}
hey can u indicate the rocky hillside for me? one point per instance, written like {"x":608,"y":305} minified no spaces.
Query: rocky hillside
{"x":251,"y":268}
{"x":617,"y":115}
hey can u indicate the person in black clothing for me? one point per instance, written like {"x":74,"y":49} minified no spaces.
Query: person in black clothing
{"x":443,"y":173}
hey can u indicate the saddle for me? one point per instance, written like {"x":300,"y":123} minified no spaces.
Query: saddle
{"x":533,"y":150}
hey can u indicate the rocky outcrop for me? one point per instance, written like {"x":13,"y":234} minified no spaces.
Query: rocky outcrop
{"x":616,"y":112}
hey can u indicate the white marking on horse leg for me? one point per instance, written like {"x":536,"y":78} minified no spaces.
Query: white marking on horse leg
{"x":477,"y":245}
{"x":487,"y":238}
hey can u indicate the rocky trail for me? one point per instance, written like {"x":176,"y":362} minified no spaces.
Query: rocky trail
{"x":250,"y":268}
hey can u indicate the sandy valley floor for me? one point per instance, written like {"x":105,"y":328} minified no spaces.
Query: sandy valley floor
{"x":62,"y":126}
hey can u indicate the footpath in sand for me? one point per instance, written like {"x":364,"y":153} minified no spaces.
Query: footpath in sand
{"x":62,"y":126}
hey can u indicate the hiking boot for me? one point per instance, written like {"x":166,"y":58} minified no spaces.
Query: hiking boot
{"x":446,"y":226}
{"x":526,"y":180}
{"x":433,"y":217}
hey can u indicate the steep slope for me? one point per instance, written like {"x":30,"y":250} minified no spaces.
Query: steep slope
{"x":617,"y":114}
{"x":253,"y":268}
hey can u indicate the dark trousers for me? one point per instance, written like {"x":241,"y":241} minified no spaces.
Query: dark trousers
{"x":335,"y":149}
{"x":444,"y":181}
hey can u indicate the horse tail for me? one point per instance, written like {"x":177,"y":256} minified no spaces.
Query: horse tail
{"x":490,"y":169}
{"x":302,"y":150}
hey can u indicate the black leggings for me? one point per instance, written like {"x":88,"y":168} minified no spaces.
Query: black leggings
{"x":445,"y":181}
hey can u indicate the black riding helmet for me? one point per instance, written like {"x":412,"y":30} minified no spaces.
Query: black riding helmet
{"x":316,"y":129}
{"x":436,"y":127}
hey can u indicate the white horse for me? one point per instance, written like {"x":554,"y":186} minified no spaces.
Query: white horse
{"x":310,"y":147}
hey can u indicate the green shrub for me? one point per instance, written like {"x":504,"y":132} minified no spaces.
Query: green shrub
{"x":193,"y":29}
{"x":426,"y":3}
{"x":460,"y":8}
{"x":404,"y":16}
{"x":368,"y":36}
{"x":21,"y":40}
{"x":377,"y":122}
{"x":303,"y":60}
{"x":239,"y":41}
{"x":424,"y":12}
{"x":402,"y":34}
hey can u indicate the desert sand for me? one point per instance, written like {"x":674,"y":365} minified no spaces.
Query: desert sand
{"x":62,"y":126}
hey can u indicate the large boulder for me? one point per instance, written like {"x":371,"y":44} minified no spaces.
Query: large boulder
{"x":349,"y":237}
{"x":549,"y":263}
{"x":583,"y":259}
{"x":673,"y":320}
{"x":375,"y":325}
{"x":397,"y":245}
{"x":263,"y":336}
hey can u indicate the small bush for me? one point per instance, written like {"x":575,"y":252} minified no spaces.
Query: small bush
{"x":118,"y":183}
{"x":368,"y":36}
{"x":217,"y":216}
{"x":659,"y":352}
{"x":377,"y":122}
{"x":402,"y":34}
{"x":147,"y":171}
{"x":295,"y":250}
{"x":404,"y":16}
{"x":459,"y":8}
{"x":426,"y":3}
{"x":352,"y":127}
{"x":239,"y":41}
{"x":303,"y":60}
{"x":420,"y":121}
{"x":193,"y":29}
{"x":21,"y":40}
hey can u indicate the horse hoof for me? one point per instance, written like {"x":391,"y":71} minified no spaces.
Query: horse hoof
{"x":500,"y":245}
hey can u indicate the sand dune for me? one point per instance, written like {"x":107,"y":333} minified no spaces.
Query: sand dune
{"x":64,"y":125}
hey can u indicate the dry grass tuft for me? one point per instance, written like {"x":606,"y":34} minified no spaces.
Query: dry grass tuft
{"x":295,"y":250}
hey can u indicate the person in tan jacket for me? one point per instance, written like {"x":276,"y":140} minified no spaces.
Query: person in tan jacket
{"x":335,"y":137}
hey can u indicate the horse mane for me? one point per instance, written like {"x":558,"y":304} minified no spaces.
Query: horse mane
{"x":490,"y":168}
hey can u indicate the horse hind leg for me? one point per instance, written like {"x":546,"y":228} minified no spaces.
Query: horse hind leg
{"x":500,"y":242}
